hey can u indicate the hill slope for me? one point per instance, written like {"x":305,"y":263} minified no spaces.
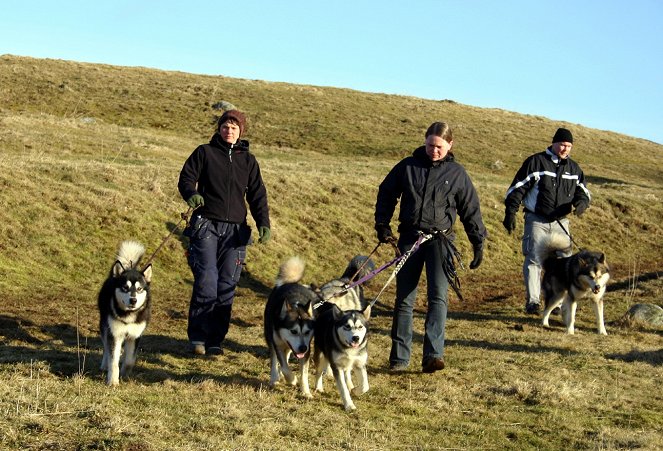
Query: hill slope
{"x":90,"y":155}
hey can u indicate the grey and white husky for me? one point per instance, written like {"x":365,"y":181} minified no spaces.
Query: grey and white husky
{"x":124,"y":310}
{"x":341,"y":342}
{"x":335,"y":291}
{"x":567,"y":280}
{"x":288,"y":325}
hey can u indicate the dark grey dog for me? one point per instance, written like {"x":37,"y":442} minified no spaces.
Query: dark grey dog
{"x":567,"y":280}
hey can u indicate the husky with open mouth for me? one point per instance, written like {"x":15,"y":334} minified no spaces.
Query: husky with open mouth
{"x":289,"y":323}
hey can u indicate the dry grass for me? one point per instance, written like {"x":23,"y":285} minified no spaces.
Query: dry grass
{"x":89,"y":155}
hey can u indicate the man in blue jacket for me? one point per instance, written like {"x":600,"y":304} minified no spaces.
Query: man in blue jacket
{"x":550,"y":185}
{"x":217,"y":180}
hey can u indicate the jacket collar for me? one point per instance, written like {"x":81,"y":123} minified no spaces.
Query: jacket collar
{"x":421,"y":155}
{"x":554,"y":158}
{"x":240,"y":145}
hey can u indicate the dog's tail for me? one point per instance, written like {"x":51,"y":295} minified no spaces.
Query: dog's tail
{"x":129,"y":253}
{"x":291,"y":271}
{"x":547,"y":247}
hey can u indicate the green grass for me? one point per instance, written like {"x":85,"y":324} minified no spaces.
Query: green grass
{"x":90,"y":155}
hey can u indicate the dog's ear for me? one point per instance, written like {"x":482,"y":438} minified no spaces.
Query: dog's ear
{"x":306,"y":310}
{"x":367,"y":312}
{"x":602,"y":258}
{"x":117,"y":269}
{"x":147,"y":273}
{"x":336,"y":312}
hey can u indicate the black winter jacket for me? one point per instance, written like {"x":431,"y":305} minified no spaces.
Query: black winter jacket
{"x":431,"y":195}
{"x":548,"y":186}
{"x":225,"y":175}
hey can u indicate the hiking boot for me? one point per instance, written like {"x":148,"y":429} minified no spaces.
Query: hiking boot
{"x":432,"y":364}
{"x":556,"y":311}
{"x":198,"y":349}
{"x":532,"y":308}
{"x":214,"y":351}
{"x":398,"y":367}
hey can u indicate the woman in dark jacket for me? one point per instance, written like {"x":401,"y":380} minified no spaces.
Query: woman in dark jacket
{"x":433,"y":190}
{"x":216,"y":180}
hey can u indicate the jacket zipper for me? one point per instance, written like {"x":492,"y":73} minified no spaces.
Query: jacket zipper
{"x":230,"y":171}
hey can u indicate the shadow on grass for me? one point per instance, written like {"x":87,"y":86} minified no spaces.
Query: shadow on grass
{"x":654,"y":358}
{"x":598,"y":180}
{"x":627,"y":284}
{"x":69,"y":354}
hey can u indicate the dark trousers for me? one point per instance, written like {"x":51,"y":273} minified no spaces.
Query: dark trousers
{"x":432,"y":255}
{"x":216,"y":254}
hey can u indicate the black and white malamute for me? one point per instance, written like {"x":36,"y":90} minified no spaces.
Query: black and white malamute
{"x":341,"y":342}
{"x":124,"y":310}
{"x":288,"y":325}
{"x":567,"y":280}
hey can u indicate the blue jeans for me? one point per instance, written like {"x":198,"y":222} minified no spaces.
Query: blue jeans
{"x":431,"y":254}
{"x":216,"y":254}
{"x":536,"y":229}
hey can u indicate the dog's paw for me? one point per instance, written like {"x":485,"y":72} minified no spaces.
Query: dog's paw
{"x":307,"y":395}
{"x":350,"y":407}
{"x":359,"y":391}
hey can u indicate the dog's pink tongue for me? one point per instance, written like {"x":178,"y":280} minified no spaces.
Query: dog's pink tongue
{"x":355,"y":344}
{"x":300,"y":355}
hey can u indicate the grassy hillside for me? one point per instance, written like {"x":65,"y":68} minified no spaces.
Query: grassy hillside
{"x":90,"y":155}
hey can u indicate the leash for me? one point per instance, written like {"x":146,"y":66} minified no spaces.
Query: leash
{"x":368,"y":276}
{"x":400,"y":261}
{"x":567,"y":233}
{"x":449,"y":267}
{"x":183,"y":217}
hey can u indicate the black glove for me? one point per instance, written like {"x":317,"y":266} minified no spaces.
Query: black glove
{"x":580,"y":209}
{"x":478,"y":256}
{"x":384,"y":233}
{"x":561,"y":211}
{"x":509,"y":221}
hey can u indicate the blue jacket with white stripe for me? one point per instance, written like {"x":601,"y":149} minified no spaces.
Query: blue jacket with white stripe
{"x":548,"y":186}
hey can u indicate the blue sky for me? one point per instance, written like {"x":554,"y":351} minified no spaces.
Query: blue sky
{"x":595,"y":63}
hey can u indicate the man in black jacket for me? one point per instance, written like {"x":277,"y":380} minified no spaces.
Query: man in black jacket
{"x":433,"y":189}
{"x":216,"y":180}
{"x":550,"y":186}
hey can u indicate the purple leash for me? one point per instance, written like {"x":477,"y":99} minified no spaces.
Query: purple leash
{"x":401,"y":261}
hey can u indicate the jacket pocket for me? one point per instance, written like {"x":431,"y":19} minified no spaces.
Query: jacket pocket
{"x":198,"y":228}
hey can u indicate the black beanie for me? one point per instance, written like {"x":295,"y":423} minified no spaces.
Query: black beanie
{"x":562,"y":135}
